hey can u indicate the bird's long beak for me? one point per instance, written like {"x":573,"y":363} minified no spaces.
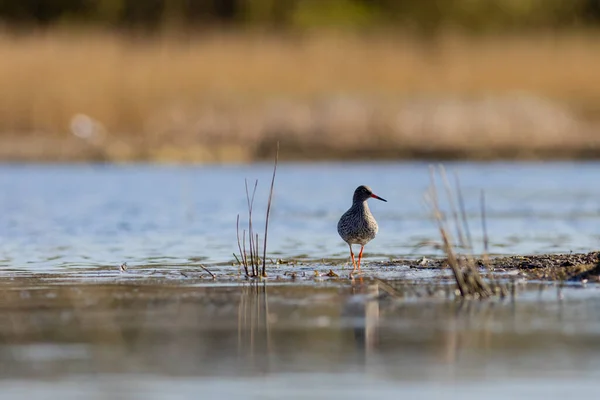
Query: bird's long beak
{"x":378,"y":198}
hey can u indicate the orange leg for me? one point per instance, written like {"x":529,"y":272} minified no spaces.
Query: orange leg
{"x":360,"y":256}
{"x":353,"y":260}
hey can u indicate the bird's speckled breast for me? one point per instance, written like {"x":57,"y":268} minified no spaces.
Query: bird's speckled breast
{"x":357,"y":225}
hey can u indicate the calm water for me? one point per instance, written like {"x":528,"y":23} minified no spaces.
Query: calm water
{"x":77,"y":216}
{"x":72,"y":326}
{"x":333,"y":340}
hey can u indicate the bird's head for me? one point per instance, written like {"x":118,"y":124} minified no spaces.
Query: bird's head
{"x":363,"y":193}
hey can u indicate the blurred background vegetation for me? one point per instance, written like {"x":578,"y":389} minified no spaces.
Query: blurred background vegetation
{"x":426,"y":16}
{"x":222,"y":80}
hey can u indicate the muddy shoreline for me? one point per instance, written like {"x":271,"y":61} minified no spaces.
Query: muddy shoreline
{"x":68,"y":150}
{"x":572,"y":266}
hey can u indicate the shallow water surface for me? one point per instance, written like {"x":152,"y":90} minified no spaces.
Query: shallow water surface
{"x":73,"y":326}
{"x":128,"y":338}
{"x":88,"y":216}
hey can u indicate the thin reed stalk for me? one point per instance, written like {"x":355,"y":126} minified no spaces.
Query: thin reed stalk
{"x":459,"y":231}
{"x":208,"y":271}
{"x":237,"y":230}
{"x":250,"y":256}
{"x":464,"y":268}
{"x":251,"y":244}
{"x":446,"y":242}
{"x":484,"y":228}
{"x":269,"y":212}
{"x":463,"y":213}
{"x":499,"y":289}
{"x":256,"y":257}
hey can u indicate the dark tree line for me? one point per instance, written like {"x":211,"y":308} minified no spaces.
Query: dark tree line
{"x":427,"y":15}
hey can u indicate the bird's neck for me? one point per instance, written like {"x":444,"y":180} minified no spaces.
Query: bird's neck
{"x":362,"y":206}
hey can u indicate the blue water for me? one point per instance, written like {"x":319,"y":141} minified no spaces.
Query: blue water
{"x":68,"y":334}
{"x":60,"y":216}
{"x":336,"y":340}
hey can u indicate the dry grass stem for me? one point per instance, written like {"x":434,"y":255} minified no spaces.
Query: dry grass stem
{"x":249,"y":257}
{"x":244,"y":263}
{"x":448,"y":248}
{"x":251,"y":238}
{"x":499,"y":289}
{"x":208,"y":271}
{"x":464,"y":268}
{"x":269,"y":211}
{"x":463,"y":212}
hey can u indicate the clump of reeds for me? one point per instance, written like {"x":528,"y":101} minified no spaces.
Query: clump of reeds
{"x":250,"y":258}
{"x":459,"y":251}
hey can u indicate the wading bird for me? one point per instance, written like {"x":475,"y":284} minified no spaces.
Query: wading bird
{"x":357,"y":225}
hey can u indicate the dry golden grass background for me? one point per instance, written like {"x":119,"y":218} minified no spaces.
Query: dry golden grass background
{"x":228,"y":97}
